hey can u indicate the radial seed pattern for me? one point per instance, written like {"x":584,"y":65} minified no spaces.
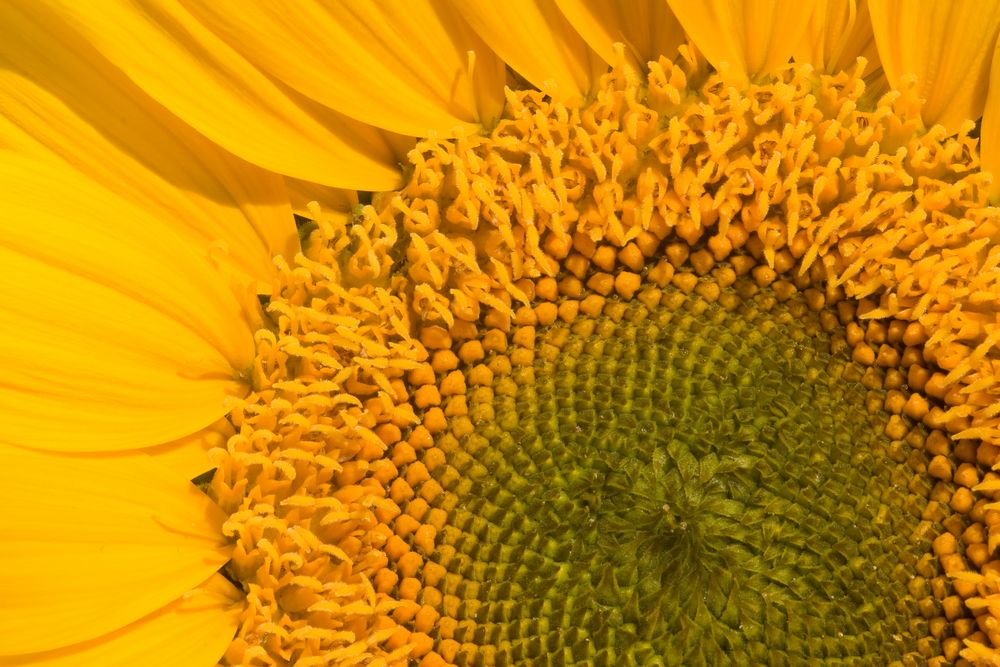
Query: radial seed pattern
{"x":680,"y":485}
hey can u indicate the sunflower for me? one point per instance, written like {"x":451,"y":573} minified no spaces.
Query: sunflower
{"x":562,"y":332}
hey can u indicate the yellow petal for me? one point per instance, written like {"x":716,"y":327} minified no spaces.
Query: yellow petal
{"x":187,"y":456}
{"x":947,"y":45}
{"x":989,"y":138}
{"x":193,"y":630}
{"x":402,"y":65}
{"x":57,"y":99}
{"x":647,"y":28}
{"x":90,"y":546}
{"x":199,"y":77}
{"x":334,"y":201}
{"x":839,"y":32}
{"x":539,"y":43}
{"x":750,"y":37}
{"x":117,"y":333}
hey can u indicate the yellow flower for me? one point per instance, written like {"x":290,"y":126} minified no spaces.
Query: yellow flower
{"x":474,"y":258}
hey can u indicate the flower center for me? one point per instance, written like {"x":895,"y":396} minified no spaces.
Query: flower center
{"x":535,"y":404}
{"x":684,"y":480}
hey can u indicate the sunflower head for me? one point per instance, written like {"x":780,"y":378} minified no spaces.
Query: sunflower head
{"x":616,"y":385}
{"x":639,"y":333}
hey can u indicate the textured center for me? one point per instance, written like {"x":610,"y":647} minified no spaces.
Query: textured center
{"x":491,"y":427}
{"x":690,"y":485}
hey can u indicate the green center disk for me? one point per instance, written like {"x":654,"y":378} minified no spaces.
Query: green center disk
{"x":689,"y":486}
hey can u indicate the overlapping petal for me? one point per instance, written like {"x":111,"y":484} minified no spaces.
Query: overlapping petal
{"x":198,"y":76}
{"x":747,"y":37}
{"x":119,"y":333}
{"x":187,"y":456}
{"x":194,"y":629}
{"x":537,"y":41}
{"x":334,"y":201}
{"x":92,"y":546}
{"x":60,"y":101}
{"x":989,"y":141}
{"x":948,"y":46}
{"x":401,"y":65}
{"x":647,"y":28}
{"x":839,"y":32}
